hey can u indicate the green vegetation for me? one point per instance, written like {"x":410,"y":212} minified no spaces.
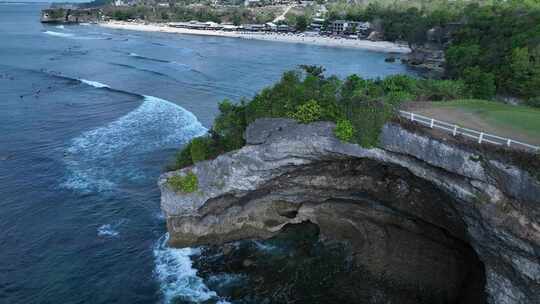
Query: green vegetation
{"x":236,"y":15}
{"x":492,"y":45}
{"x":533,"y":102}
{"x":344,"y":130}
{"x":57,"y":13}
{"x":520,"y":118}
{"x":360,"y":107}
{"x":185,"y":184}
{"x":309,"y":112}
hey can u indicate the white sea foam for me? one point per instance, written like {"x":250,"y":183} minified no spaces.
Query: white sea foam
{"x":60,"y":26}
{"x":99,"y":159}
{"x":177,"y":277}
{"x":72,"y":36}
{"x":94,"y":83}
{"x":107,"y":230}
{"x":58,"y":34}
{"x":264,"y":247}
{"x":110,"y":230}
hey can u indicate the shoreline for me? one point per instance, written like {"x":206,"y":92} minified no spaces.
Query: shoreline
{"x":376,"y":46}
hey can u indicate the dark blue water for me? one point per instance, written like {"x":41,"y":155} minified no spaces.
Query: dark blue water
{"x":88,"y":119}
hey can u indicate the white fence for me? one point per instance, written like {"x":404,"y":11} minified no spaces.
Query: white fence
{"x":480,"y":137}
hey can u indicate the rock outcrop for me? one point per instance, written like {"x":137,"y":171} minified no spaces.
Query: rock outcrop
{"x":61,"y":15}
{"x":428,"y":218}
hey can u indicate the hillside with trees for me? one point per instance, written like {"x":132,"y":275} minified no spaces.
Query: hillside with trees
{"x":494,"y":46}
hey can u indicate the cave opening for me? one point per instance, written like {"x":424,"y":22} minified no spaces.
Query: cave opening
{"x":365,"y":232}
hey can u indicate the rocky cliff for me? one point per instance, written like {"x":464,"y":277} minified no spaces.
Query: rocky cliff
{"x":433,"y":222}
{"x":61,"y":15}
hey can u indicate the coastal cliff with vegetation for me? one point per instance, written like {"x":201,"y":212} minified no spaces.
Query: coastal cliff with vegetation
{"x":70,"y":15}
{"x":425,"y":221}
{"x":352,"y":202}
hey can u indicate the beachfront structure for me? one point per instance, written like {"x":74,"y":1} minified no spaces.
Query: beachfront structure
{"x":248,"y":3}
{"x":316,"y":24}
{"x":253,"y":27}
{"x":283,"y":28}
{"x":196,"y":25}
{"x":340,"y":27}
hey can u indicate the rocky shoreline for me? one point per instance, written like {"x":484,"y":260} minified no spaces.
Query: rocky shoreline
{"x":419,"y":218}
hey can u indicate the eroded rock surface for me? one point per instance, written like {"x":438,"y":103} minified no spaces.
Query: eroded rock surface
{"x":425,"y":217}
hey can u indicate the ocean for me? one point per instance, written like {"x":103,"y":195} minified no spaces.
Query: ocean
{"x":89,"y":118}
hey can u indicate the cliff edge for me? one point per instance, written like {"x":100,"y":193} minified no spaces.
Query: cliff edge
{"x":419,"y":216}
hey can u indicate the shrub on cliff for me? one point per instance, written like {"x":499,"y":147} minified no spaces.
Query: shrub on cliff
{"x":230,"y":124}
{"x":199,"y":148}
{"x":185,"y":184}
{"x":309,"y":112}
{"x":344,"y":130}
{"x":183,"y":158}
{"x":360,"y":107}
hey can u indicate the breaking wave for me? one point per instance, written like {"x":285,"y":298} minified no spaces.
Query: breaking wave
{"x":177,"y":278}
{"x":94,"y":84}
{"x":99,"y":159}
{"x":58,"y":34}
{"x":72,"y":36}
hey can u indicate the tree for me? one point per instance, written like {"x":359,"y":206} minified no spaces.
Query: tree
{"x":481,"y":84}
{"x":301,"y":23}
{"x":526,"y":72}
{"x":460,"y":57}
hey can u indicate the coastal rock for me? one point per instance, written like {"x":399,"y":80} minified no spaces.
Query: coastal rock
{"x":375,"y":36}
{"x":424,"y":217}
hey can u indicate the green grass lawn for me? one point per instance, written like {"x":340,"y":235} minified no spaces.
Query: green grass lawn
{"x":519,"y":118}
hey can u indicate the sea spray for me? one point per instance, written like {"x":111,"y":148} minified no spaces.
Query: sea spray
{"x":177,"y":277}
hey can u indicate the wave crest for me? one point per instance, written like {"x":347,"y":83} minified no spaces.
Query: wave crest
{"x":58,"y":34}
{"x":94,"y":84}
{"x":99,"y":159}
{"x":177,"y":277}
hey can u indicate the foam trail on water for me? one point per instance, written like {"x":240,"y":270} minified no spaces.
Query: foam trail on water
{"x":177,"y":277}
{"x":72,"y":36}
{"x":110,"y":230}
{"x":99,"y":159}
{"x":94,"y":84}
{"x":58,"y":34}
{"x":60,"y":26}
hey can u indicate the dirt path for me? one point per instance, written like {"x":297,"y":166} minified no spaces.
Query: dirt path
{"x":282,"y":16}
{"x":473,"y":121}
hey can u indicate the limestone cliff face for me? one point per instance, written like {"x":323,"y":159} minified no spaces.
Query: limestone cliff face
{"x":428,"y":217}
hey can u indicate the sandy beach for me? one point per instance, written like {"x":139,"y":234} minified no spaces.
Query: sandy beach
{"x":378,"y":46}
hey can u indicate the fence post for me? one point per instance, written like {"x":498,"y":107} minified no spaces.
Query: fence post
{"x":455,"y":130}
{"x":508,"y":142}
{"x":481,"y":137}
{"x":432,"y":122}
